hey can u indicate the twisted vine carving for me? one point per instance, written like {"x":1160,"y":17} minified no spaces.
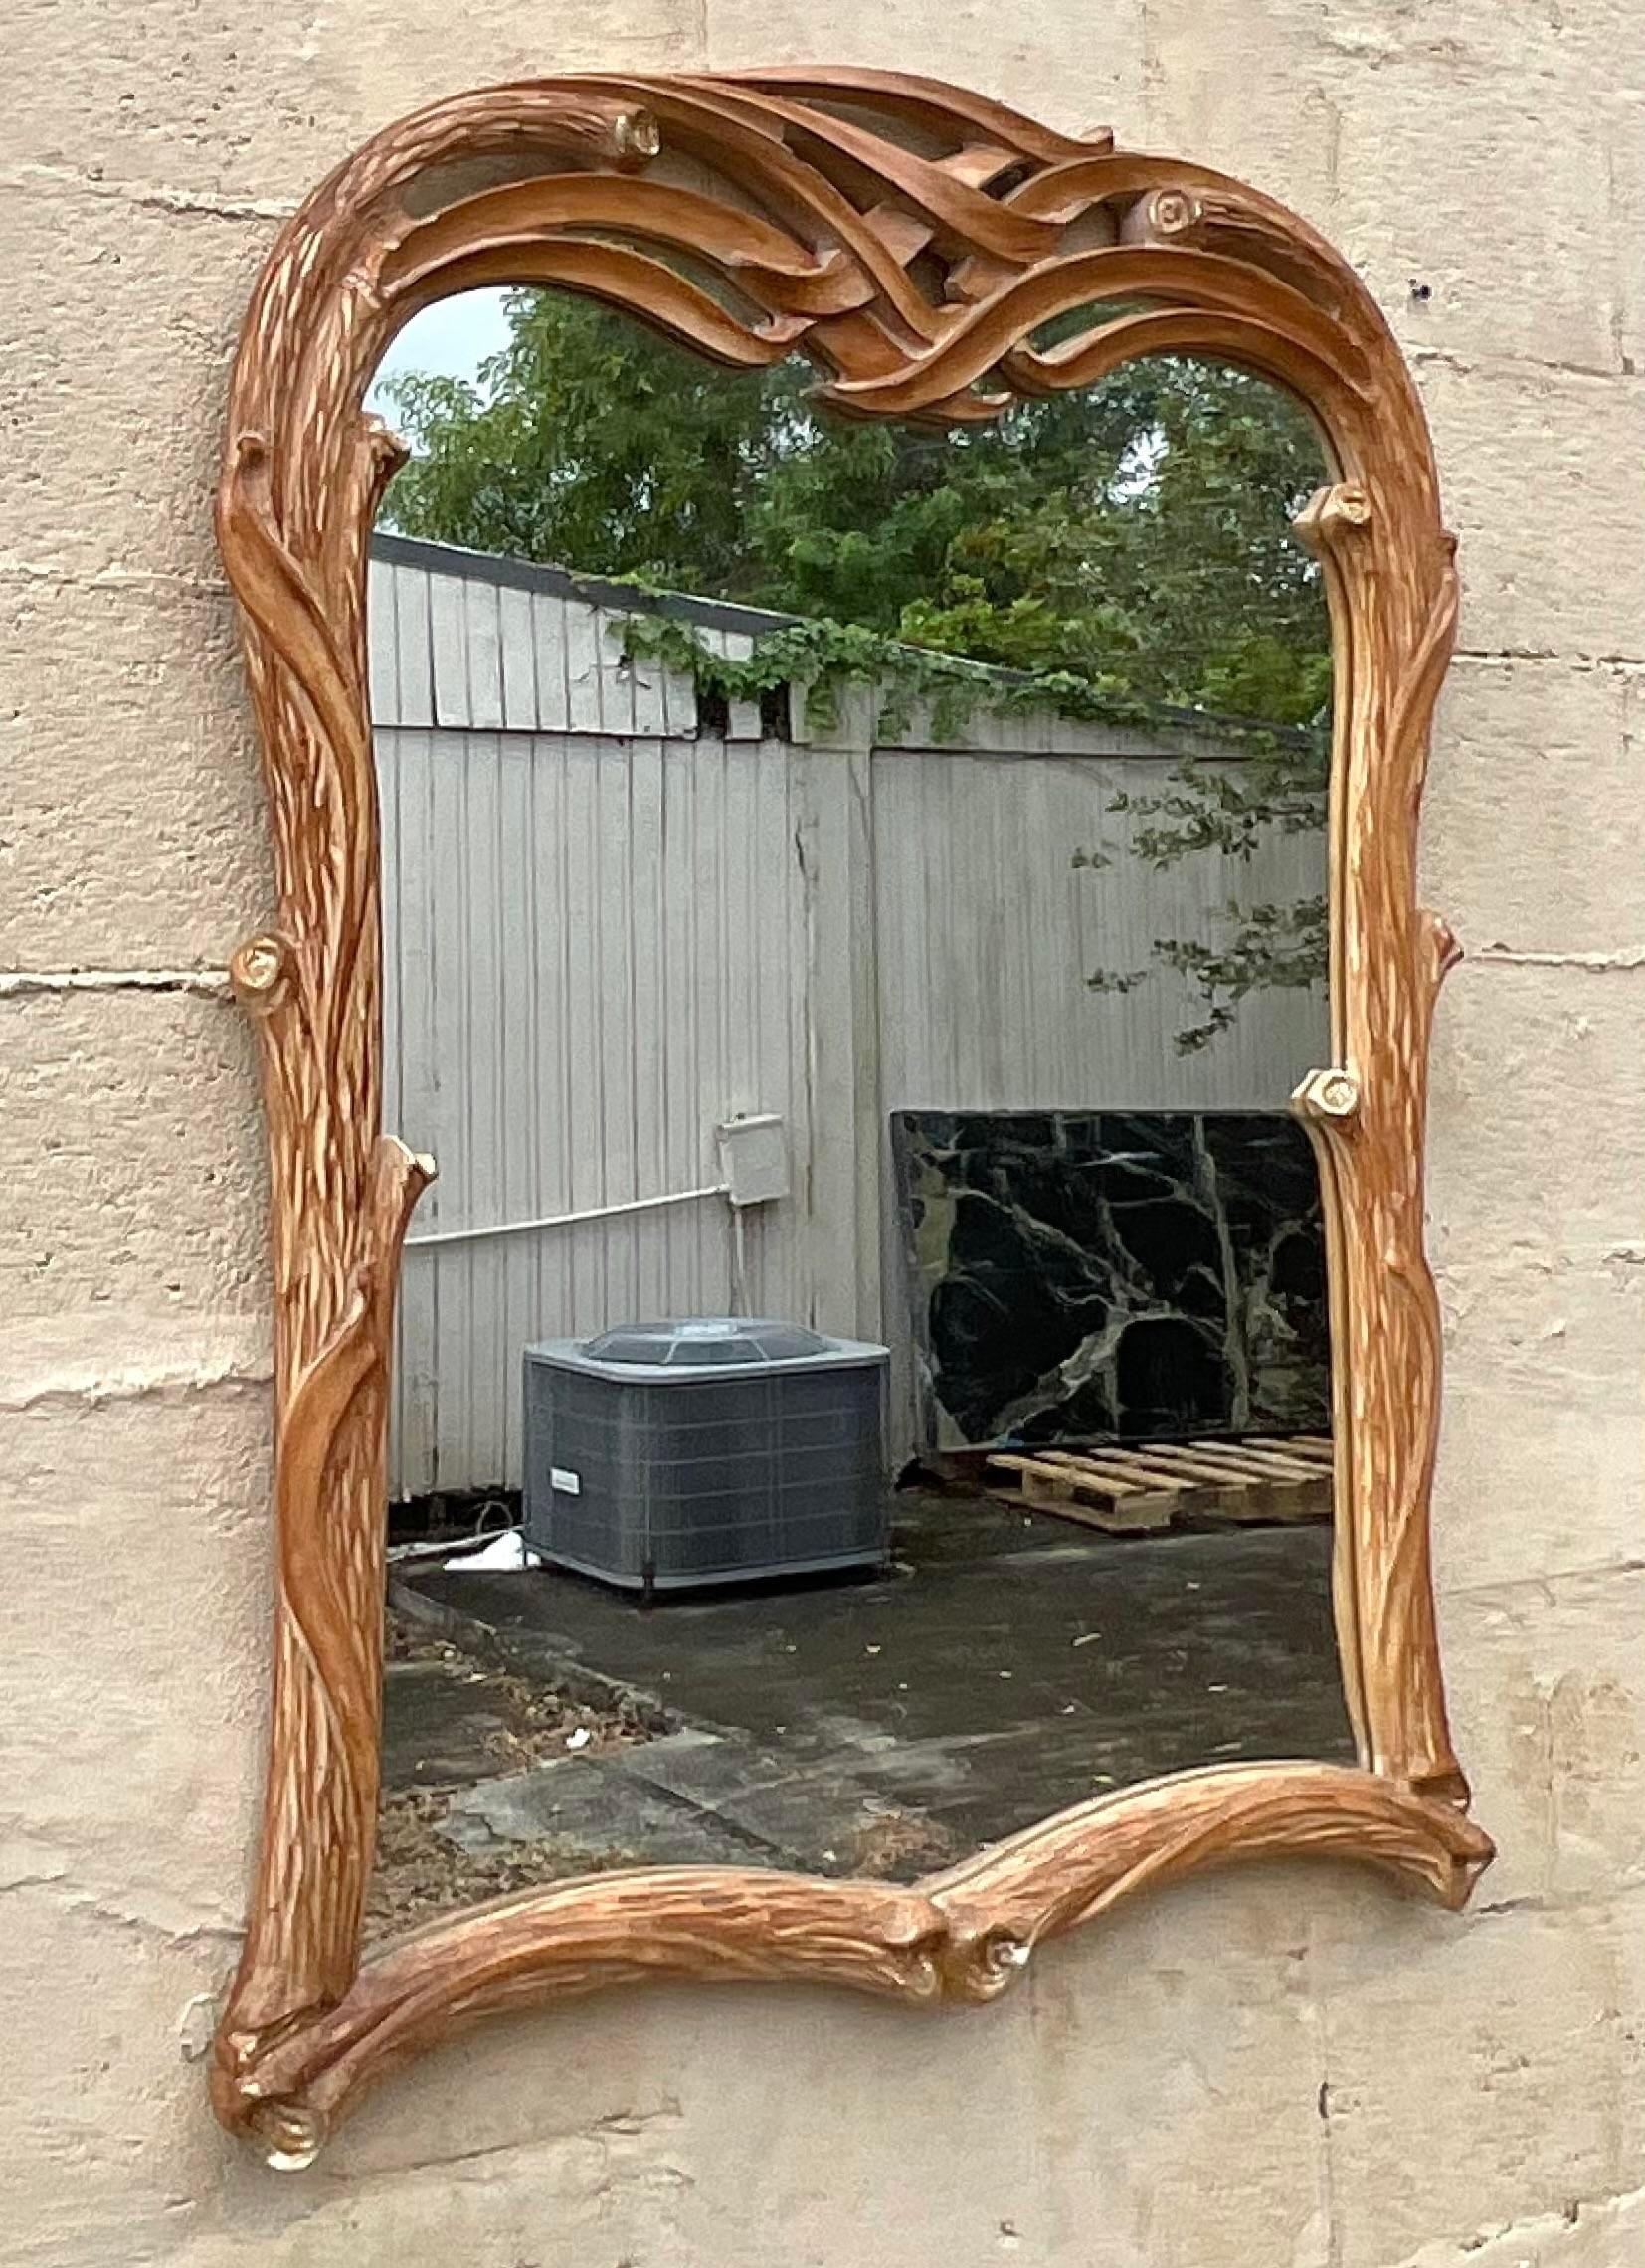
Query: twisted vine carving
{"x":911,"y":239}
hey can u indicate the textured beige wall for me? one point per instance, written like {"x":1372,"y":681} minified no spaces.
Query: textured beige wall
{"x":1286,"y":2070}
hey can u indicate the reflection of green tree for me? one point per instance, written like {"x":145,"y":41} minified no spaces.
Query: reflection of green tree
{"x":1232,"y":809}
{"x":1130,"y":542}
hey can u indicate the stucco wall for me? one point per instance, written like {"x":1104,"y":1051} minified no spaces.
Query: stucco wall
{"x":1283,"y":2070}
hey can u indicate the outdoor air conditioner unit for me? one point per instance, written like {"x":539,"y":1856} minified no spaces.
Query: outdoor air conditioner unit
{"x":716,"y":1450}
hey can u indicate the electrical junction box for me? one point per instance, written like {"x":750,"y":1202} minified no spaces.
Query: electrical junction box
{"x":754,"y":1159}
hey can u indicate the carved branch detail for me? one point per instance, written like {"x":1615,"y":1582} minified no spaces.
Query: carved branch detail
{"x":910,"y":238}
{"x":964,"y":1936}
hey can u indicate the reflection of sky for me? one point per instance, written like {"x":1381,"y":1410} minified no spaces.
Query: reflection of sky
{"x":450,"y":339}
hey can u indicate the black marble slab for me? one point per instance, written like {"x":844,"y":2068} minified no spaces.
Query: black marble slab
{"x":1115,"y":1276}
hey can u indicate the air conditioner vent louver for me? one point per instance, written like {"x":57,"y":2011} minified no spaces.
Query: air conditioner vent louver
{"x":717,"y":1450}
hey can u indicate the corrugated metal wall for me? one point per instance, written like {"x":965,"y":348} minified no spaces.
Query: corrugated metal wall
{"x":605,"y":935}
{"x":593,"y":953}
{"x":987,"y":933}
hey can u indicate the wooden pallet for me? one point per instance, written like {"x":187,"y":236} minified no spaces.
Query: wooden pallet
{"x":1139,"y":1487}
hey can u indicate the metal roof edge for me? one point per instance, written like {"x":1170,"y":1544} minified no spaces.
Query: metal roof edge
{"x":724,"y":614}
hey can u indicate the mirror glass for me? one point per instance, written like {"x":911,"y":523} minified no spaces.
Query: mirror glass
{"x":854,"y":914}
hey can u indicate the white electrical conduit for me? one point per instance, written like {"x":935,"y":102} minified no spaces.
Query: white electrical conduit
{"x":566,"y":1219}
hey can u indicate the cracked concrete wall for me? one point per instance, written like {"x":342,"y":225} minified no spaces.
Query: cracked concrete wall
{"x":1288,"y":2068}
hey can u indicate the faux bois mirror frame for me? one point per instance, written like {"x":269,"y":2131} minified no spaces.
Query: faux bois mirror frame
{"x":911,"y":239}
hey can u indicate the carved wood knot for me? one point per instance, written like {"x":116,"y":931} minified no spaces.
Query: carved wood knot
{"x":638,"y":136}
{"x":385,"y":445}
{"x":259,"y":970}
{"x":980,"y":1964}
{"x":1443,"y":944}
{"x":1327,"y":1094}
{"x":249,"y":450}
{"x":1345,"y":505}
{"x":1007,"y":1957}
{"x":290,"y":2136}
{"x":1332,"y":512}
{"x":1173,"y":212}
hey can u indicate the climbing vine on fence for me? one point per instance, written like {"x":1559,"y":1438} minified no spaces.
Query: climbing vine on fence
{"x":821,"y":659}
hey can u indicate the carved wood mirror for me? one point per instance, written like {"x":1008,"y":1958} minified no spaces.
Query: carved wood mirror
{"x":934,"y":258}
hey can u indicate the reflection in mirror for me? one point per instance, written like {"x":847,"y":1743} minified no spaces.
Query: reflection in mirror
{"x":855,"y":904}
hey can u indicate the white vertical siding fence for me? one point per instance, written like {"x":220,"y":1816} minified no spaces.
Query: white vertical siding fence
{"x":988,"y":934}
{"x":605,"y":934}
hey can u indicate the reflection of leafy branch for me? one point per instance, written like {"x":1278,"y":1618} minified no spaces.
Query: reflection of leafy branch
{"x":1273,"y":947}
{"x":1228,"y":809}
